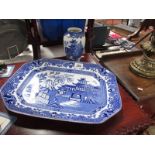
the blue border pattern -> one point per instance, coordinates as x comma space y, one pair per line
100, 114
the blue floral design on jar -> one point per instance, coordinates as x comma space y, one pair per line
74, 43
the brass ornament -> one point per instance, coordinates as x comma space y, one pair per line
145, 65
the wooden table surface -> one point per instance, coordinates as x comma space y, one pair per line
141, 88
130, 120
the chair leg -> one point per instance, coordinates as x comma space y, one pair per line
89, 34
33, 37
36, 51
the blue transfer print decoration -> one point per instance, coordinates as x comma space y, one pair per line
74, 43
63, 90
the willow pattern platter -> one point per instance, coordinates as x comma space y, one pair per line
63, 90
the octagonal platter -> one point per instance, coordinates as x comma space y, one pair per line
63, 90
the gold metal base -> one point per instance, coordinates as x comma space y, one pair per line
143, 66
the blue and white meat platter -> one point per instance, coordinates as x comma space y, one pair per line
63, 90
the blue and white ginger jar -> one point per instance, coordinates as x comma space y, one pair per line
74, 43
